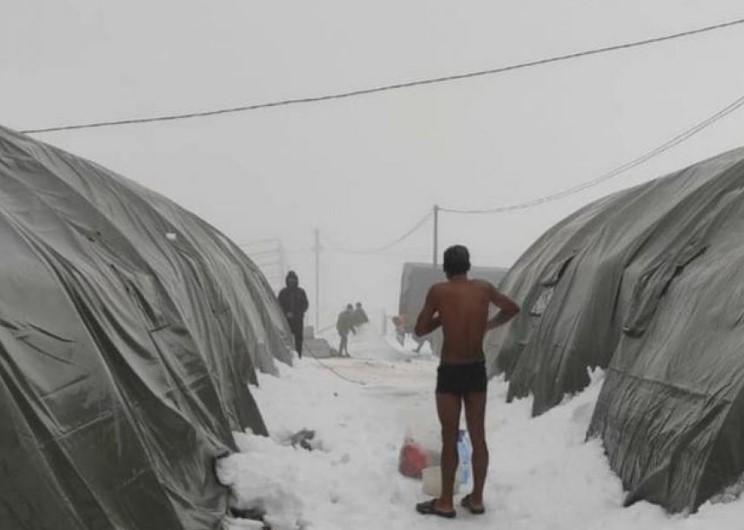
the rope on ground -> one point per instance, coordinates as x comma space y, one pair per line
334, 372
330, 368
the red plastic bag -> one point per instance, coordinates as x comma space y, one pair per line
412, 459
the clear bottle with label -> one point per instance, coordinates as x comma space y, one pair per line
464, 452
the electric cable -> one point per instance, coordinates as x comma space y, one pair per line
389, 87
674, 141
383, 248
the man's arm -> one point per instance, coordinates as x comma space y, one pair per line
507, 308
426, 321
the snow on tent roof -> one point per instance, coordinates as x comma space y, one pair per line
129, 328
646, 283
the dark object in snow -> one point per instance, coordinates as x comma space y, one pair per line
318, 348
646, 283
252, 514
302, 438
124, 351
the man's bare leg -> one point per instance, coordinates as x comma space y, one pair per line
448, 408
475, 414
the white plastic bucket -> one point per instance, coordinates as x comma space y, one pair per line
431, 478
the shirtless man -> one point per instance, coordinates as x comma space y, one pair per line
460, 305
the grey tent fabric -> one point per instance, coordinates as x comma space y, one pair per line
647, 284
129, 329
417, 278
244, 289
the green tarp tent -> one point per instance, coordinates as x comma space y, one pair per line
129, 329
646, 283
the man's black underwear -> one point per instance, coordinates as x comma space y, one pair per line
461, 379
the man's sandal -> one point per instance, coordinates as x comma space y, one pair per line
429, 508
465, 503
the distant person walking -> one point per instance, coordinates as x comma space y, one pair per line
344, 325
460, 306
360, 315
293, 302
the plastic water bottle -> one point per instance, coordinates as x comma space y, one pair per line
464, 450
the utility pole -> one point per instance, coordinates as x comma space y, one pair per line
316, 248
436, 235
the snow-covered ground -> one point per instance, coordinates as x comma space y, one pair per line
543, 475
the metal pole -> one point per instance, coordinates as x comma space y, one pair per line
317, 280
436, 235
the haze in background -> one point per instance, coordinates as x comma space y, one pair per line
364, 170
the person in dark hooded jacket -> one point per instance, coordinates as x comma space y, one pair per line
293, 302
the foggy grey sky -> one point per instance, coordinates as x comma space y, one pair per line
363, 170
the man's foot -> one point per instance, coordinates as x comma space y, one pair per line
430, 508
476, 509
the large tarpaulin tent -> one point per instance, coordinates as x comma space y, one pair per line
129, 329
646, 283
415, 281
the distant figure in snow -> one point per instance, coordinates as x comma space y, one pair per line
460, 306
360, 315
344, 325
293, 302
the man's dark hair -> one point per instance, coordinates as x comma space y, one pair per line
456, 260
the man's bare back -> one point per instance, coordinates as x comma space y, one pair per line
460, 305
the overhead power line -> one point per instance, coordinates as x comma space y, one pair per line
676, 140
391, 244
390, 87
